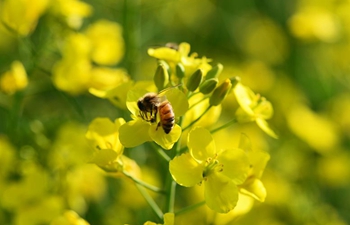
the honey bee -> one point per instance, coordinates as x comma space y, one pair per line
151, 104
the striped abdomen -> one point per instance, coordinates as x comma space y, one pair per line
167, 116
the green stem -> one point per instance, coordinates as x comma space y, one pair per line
189, 208
233, 121
150, 201
160, 152
143, 184
197, 102
194, 121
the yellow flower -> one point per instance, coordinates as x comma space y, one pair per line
15, 79
72, 73
107, 42
169, 219
102, 44
103, 135
180, 54
69, 217
253, 107
22, 16
72, 11
221, 171
253, 186
138, 130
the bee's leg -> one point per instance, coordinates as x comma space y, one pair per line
158, 125
154, 118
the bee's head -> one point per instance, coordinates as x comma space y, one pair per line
140, 105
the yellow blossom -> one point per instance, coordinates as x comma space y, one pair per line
253, 107
69, 217
15, 79
220, 171
22, 16
148, 130
107, 42
72, 11
180, 54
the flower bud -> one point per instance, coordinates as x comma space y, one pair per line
194, 80
235, 81
220, 93
208, 85
215, 71
180, 70
161, 77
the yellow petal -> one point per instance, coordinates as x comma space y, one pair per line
255, 188
134, 133
235, 164
221, 194
169, 219
265, 127
244, 98
166, 141
185, 170
164, 53
103, 133
201, 144
107, 41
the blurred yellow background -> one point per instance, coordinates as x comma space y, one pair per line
295, 53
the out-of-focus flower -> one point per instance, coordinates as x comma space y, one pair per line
138, 130
253, 107
221, 171
107, 42
69, 217
103, 135
72, 74
169, 219
15, 79
70, 148
102, 43
253, 186
321, 134
84, 184
105, 79
180, 54
22, 16
72, 11
314, 23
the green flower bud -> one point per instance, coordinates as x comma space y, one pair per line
161, 77
194, 80
220, 93
180, 70
208, 85
235, 81
215, 71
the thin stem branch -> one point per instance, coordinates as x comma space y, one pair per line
196, 120
150, 201
189, 208
143, 184
231, 122
160, 152
198, 102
